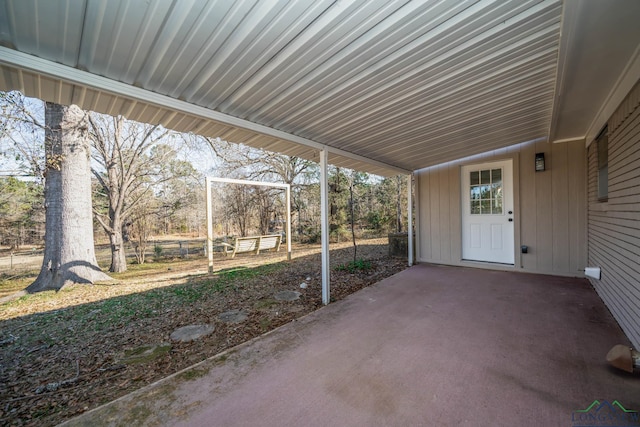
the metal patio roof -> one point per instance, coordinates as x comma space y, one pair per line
385, 86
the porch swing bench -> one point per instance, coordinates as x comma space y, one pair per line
253, 244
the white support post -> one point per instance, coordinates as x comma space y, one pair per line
416, 216
410, 219
208, 198
288, 202
324, 226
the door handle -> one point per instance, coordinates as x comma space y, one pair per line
510, 219
510, 212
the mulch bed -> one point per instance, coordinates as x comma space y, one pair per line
61, 362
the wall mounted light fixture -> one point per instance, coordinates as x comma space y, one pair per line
539, 162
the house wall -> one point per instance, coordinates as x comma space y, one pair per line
614, 225
550, 209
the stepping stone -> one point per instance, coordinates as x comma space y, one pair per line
233, 316
145, 353
192, 332
287, 295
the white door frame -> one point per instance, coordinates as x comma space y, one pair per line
494, 234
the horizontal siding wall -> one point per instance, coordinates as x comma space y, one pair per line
614, 225
550, 215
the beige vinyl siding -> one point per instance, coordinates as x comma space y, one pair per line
550, 209
614, 225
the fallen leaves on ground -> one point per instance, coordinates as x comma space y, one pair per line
60, 354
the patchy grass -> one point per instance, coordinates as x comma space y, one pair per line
265, 324
149, 268
233, 278
11, 283
194, 373
76, 337
120, 310
355, 266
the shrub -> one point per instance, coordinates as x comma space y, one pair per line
157, 252
354, 266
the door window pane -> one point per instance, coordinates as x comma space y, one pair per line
475, 178
485, 177
496, 208
475, 192
486, 192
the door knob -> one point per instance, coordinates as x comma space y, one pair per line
510, 212
510, 219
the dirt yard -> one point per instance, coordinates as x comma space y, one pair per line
64, 353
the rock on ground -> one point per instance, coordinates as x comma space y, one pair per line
192, 332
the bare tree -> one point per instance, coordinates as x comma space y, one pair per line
176, 185
265, 201
127, 164
238, 203
22, 133
251, 163
21, 155
140, 227
21, 212
69, 255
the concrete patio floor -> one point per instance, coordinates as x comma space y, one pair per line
431, 346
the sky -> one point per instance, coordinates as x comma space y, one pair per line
202, 158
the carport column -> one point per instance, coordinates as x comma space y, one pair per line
288, 197
324, 225
410, 219
207, 188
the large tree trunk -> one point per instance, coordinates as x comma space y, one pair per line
69, 254
118, 256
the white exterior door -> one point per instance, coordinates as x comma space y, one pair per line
487, 212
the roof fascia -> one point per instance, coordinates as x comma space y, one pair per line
570, 11
629, 77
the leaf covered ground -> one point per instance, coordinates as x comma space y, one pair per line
61, 353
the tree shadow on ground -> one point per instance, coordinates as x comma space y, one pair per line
59, 363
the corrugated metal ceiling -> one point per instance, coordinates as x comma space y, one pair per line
406, 83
